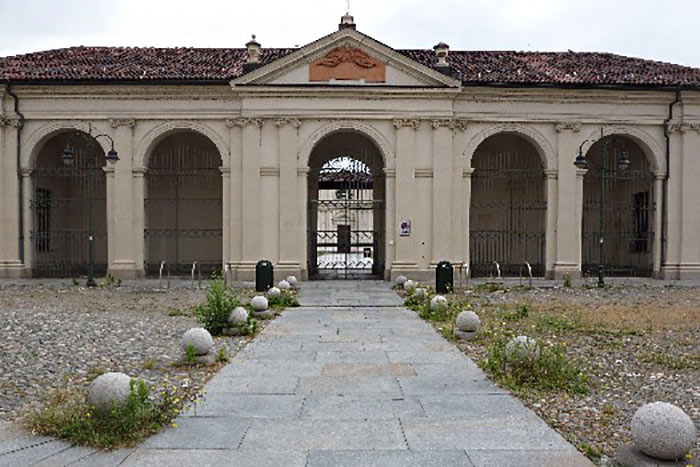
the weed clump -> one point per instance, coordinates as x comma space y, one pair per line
213, 314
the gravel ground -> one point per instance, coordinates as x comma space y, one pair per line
637, 344
55, 335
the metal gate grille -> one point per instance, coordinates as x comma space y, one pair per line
508, 208
59, 205
628, 212
184, 205
347, 239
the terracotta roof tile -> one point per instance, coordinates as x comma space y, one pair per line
472, 67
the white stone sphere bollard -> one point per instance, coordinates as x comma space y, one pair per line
199, 340
467, 324
259, 303
238, 316
400, 280
284, 285
107, 389
663, 431
292, 280
438, 303
419, 292
522, 349
409, 286
273, 292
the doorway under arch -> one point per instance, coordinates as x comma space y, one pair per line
346, 198
508, 212
183, 205
60, 206
627, 214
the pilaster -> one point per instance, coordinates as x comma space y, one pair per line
10, 264
404, 262
291, 230
442, 193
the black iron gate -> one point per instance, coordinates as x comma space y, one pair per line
345, 239
628, 208
183, 206
508, 208
59, 206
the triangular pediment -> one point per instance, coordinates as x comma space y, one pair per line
346, 57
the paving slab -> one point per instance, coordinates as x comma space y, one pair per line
388, 459
201, 433
527, 458
361, 407
213, 458
275, 384
346, 385
249, 406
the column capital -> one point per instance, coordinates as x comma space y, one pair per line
109, 170
567, 126
551, 173
6, 120
302, 171
389, 173
26, 172
682, 127
139, 171
294, 122
225, 171
408, 122
242, 122
127, 122
467, 173
581, 172
451, 123
660, 175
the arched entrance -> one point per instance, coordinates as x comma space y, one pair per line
346, 189
183, 204
59, 204
508, 211
627, 210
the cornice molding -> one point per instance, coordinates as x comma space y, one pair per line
127, 122
567, 126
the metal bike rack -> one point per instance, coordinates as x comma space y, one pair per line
498, 269
160, 274
195, 267
529, 273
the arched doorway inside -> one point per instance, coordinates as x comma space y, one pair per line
60, 206
625, 218
346, 190
508, 212
183, 204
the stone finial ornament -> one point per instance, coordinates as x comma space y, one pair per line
292, 280
522, 349
259, 303
437, 303
442, 52
467, 323
400, 280
273, 292
409, 286
199, 339
254, 51
238, 316
284, 285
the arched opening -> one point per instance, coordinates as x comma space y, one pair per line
346, 189
60, 206
619, 205
508, 212
183, 204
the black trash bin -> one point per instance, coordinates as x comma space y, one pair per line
444, 277
263, 275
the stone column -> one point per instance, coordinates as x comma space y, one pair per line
569, 208
690, 214
226, 215
466, 209
290, 228
252, 209
122, 206
658, 220
674, 203
26, 174
442, 193
139, 217
10, 264
235, 196
551, 236
390, 213
404, 262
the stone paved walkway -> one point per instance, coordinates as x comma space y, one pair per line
349, 379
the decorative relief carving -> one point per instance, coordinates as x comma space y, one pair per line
280, 122
402, 122
682, 127
347, 63
127, 122
567, 126
242, 122
451, 123
9, 121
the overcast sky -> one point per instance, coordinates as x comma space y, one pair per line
667, 31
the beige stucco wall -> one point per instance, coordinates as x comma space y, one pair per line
425, 136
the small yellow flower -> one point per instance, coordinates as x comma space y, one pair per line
174, 425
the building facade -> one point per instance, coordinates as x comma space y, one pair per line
347, 158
